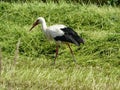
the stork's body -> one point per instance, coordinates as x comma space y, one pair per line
54, 31
59, 33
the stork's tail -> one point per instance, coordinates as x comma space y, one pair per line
79, 40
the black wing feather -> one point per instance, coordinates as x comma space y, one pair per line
69, 36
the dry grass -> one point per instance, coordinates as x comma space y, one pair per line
17, 52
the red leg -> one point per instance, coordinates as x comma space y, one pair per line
71, 53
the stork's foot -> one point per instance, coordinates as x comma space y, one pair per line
53, 63
74, 60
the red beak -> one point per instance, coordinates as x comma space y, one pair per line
34, 24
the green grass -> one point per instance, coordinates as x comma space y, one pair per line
98, 60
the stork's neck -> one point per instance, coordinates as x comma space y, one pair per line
44, 26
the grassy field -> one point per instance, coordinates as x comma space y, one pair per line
29, 68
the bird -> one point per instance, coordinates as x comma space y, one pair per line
60, 34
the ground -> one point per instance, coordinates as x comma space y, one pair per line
98, 60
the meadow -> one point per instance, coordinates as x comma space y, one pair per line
26, 57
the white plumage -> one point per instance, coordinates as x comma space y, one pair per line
59, 33
55, 31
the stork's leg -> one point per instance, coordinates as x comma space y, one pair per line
56, 52
71, 52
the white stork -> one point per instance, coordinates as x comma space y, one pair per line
59, 33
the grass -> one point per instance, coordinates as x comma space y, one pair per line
98, 60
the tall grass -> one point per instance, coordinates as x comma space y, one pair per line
98, 2
0, 61
98, 59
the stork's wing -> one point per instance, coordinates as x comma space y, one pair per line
69, 36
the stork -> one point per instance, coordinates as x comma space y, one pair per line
59, 33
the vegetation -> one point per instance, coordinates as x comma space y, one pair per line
98, 2
26, 57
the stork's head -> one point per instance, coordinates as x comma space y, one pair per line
38, 21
